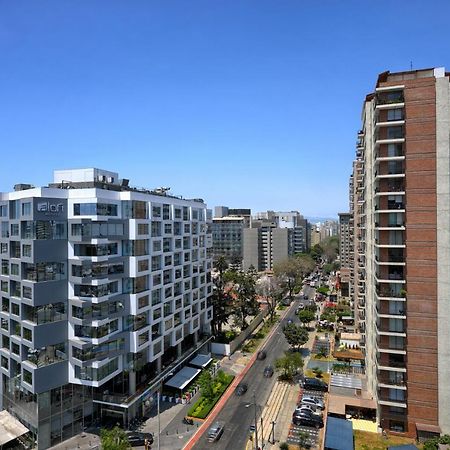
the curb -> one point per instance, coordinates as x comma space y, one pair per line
219, 405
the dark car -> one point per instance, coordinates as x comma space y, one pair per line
268, 371
215, 432
309, 420
314, 384
261, 355
241, 389
136, 439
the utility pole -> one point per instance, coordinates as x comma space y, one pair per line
273, 432
159, 419
256, 422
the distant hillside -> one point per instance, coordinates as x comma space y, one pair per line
319, 219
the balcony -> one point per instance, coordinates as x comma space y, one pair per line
387, 292
396, 363
390, 274
395, 346
392, 379
391, 327
390, 187
391, 310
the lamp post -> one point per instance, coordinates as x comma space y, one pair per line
273, 432
256, 422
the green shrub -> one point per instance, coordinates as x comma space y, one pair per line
203, 405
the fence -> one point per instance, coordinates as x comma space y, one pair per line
248, 331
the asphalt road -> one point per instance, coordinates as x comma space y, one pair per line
239, 412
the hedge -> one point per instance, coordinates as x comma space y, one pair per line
203, 406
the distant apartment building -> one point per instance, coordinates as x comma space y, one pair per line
273, 237
104, 293
345, 250
228, 233
402, 221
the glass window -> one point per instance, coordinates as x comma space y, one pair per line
27, 376
26, 250
142, 228
94, 209
395, 114
26, 209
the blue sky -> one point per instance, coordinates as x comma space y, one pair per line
244, 103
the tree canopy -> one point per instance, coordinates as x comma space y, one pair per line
115, 439
295, 335
289, 364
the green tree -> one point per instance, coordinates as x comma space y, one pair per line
317, 372
243, 295
316, 252
303, 437
220, 298
292, 270
205, 381
115, 439
289, 364
295, 335
306, 316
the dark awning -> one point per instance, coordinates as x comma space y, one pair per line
201, 361
182, 378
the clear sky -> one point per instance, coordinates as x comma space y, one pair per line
243, 103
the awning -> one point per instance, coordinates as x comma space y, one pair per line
182, 378
201, 360
339, 435
10, 428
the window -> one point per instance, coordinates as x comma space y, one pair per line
134, 209
395, 114
156, 262
3, 210
94, 209
142, 228
15, 309
157, 246
143, 338
26, 250
143, 265
15, 269
395, 150
44, 271
26, 209
5, 267
143, 301
27, 376
168, 228
177, 213
156, 229
3, 248
166, 212
156, 212
4, 230
27, 334
14, 229
394, 132
5, 363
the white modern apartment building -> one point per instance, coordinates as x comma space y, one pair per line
104, 293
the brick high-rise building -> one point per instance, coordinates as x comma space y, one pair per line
404, 248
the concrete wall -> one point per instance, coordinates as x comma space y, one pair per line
443, 247
251, 249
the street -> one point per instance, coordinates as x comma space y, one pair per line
239, 412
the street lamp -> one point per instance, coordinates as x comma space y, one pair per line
272, 432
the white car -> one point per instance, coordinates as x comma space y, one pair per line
314, 401
310, 408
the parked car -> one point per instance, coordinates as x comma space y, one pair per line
308, 409
215, 432
315, 385
268, 371
241, 389
136, 439
261, 355
309, 420
314, 401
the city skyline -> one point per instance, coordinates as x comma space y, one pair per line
252, 104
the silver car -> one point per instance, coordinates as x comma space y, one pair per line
314, 401
215, 432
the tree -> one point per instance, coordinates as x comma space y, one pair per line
330, 247
115, 439
306, 316
271, 289
220, 298
243, 294
289, 364
295, 335
205, 381
293, 269
303, 438
316, 252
